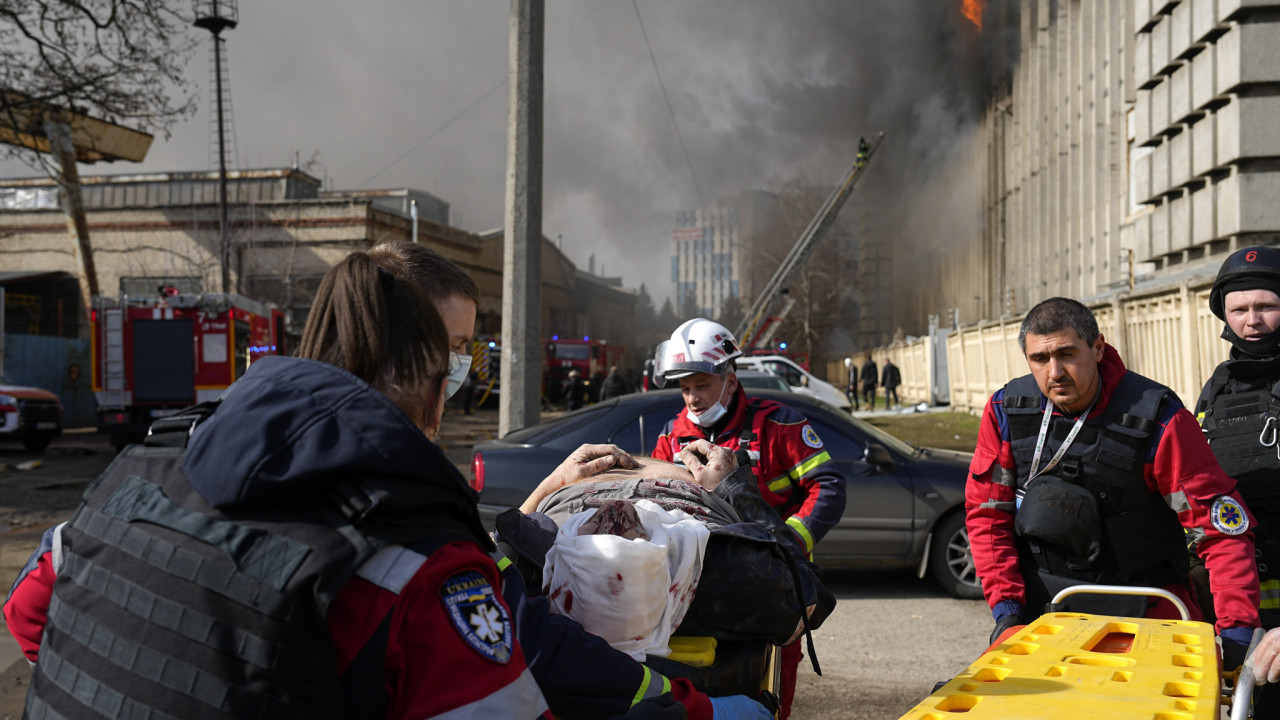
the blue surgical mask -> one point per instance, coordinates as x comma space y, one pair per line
459, 367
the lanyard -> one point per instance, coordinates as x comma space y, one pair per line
1044, 434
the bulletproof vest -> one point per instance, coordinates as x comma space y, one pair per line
1242, 428
1141, 538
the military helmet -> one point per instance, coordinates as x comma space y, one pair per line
1248, 268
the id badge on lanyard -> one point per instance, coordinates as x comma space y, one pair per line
1036, 470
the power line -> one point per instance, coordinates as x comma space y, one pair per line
468, 108
670, 112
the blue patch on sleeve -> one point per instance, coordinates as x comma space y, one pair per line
477, 615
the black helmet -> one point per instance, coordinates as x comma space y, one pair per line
1251, 268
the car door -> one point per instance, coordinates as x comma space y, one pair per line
878, 510
639, 436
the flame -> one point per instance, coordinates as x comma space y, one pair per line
973, 10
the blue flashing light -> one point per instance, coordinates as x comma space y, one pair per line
553, 337
586, 339
493, 344
782, 346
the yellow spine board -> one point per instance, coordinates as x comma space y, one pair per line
1072, 665
693, 650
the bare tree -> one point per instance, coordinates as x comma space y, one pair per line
117, 60
822, 294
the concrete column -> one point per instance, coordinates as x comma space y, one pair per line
520, 403
59, 135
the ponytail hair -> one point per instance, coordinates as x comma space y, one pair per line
382, 329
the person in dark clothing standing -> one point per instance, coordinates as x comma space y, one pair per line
890, 378
572, 390
1237, 410
869, 374
614, 385
851, 389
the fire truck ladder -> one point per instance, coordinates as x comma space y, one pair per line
755, 330
112, 358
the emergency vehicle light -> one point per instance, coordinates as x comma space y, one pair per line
586, 339
493, 344
553, 337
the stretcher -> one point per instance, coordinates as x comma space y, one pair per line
1079, 665
757, 663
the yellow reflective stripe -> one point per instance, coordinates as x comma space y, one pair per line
1270, 591
802, 531
1200, 419
666, 685
503, 563
789, 477
803, 468
641, 693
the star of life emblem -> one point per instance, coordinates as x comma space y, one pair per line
477, 615
1228, 517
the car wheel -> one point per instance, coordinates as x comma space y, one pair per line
950, 560
38, 443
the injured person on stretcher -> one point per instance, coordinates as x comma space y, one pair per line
648, 549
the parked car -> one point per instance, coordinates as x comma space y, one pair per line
800, 380
29, 415
906, 504
759, 380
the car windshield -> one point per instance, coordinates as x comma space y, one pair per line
542, 432
564, 351
773, 382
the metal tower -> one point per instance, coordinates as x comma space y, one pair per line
216, 16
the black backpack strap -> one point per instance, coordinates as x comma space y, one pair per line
175, 430
748, 434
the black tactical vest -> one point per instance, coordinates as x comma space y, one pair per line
1141, 538
1242, 428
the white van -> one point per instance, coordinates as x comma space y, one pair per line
797, 377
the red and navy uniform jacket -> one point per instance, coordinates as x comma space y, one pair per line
1179, 466
400, 649
793, 469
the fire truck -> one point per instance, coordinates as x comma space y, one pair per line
153, 356
591, 358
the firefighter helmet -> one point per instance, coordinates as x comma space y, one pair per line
698, 346
1249, 268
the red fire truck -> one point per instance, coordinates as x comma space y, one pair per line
591, 358
153, 356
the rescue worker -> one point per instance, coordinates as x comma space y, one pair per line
1086, 472
579, 674
1240, 405
573, 389
793, 470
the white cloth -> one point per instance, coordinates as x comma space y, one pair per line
632, 593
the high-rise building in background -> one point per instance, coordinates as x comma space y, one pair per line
711, 250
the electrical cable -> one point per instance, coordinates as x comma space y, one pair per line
666, 97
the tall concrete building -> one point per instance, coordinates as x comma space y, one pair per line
1120, 139
711, 250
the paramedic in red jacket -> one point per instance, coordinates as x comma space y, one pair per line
1083, 432
793, 469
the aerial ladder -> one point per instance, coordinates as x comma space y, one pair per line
761, 321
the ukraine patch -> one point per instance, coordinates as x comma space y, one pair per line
1228, 516
477, 615
811, 438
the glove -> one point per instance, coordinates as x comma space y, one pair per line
1004, 623
1235, 645
738, 707
663, 707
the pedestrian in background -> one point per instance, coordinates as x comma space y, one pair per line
851, 387
890, 378
614, 385
573, 389
869, 374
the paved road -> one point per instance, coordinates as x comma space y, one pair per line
890, 639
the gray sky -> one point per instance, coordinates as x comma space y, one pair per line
764, 91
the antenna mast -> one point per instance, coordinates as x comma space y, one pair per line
216, 16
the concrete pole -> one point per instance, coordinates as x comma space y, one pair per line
60, 146
521, 397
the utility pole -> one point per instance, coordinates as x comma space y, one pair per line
58, 133
520, 403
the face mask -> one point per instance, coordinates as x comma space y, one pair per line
459, 367
711, 415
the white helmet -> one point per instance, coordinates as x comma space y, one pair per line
698, 346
